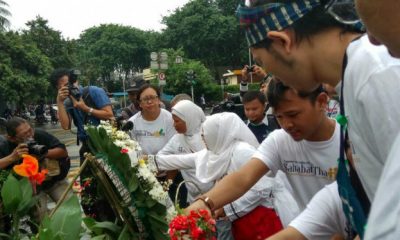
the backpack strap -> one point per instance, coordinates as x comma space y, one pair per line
87, 98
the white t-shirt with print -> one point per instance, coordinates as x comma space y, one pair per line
152, 135
323, 216
309, 166
332, 108
371, 97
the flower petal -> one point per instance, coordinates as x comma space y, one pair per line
28, 167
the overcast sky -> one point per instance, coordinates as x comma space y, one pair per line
71, 17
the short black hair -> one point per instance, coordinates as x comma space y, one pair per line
57, 74
13, 124
144, 87
314, 22
252, 95
276, 93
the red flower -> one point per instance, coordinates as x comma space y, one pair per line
40, 177
30, 168
198, 225
124, 150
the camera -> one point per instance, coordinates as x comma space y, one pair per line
35, 149
250, 69
72, 78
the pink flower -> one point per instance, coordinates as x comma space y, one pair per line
124, 150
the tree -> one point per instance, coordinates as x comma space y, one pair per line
24, 70
177, 81
112, 48
62, 53
227, 7
205, 33
4, 13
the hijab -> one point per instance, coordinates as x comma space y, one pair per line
221, 134
193, 116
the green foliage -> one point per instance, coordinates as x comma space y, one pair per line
23, 70
60, 52
151, 213
236, 88
111, 48
11, 194
176, 75
206, 33
65, 224
4, 13
227, 7
102, 230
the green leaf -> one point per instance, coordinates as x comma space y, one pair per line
150, 202
107, 226
11, 194
44, 232
124, 235
100, 237
89, 222
28, 201
133, 183
5, 235
94, 138
66, 221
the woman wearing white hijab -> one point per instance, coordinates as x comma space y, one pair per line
230, 144
188, 118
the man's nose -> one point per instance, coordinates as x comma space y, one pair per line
286, 123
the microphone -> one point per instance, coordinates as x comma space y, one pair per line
127, 126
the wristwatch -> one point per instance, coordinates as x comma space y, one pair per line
90, 112
208, 202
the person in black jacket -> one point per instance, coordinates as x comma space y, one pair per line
22, 139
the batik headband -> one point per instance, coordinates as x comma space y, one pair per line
258, 21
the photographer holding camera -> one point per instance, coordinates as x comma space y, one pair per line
257, 73
21, 139
82, 105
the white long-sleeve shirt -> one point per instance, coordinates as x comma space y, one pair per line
260, 194
177, 145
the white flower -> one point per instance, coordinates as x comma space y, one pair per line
119, 143
145, 174
171, 213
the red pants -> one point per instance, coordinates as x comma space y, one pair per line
261, 223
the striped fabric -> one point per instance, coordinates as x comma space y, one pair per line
257, 21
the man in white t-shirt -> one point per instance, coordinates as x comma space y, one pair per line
383, 24
303, 43
305, 149
322, 219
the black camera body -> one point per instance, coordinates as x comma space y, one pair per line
72, 78
250, 69
35, 149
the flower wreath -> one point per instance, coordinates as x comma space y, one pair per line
144, 199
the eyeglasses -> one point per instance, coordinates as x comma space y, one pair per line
148, 99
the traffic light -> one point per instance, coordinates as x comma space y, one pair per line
191, 77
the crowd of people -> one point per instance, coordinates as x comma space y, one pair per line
316, 156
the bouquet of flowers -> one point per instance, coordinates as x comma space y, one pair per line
198, 225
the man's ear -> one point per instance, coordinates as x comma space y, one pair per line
284, 39
322, 101
11, 139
